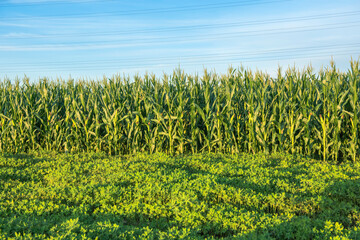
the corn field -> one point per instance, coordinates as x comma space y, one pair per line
299, 112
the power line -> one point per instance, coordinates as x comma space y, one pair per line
197, 27
242, 60
40, 3
196, 58
177, 39
232, 54
156, 10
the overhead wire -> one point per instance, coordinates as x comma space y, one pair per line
190, 63
42, 3
344, 49
155, 10
194, 27
176, 39
278, 53
192, 56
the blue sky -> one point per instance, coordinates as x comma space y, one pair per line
93, 38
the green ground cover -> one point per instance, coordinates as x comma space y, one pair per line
88, 196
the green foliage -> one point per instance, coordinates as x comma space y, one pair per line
158, 196
315, 115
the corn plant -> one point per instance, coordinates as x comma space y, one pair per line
300, 112
354, 88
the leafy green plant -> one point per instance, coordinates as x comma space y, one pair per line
47, 195
299, 112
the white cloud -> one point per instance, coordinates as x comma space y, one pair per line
20, 35
47, 1
9, 24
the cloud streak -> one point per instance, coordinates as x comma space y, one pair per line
49, 1
68, 35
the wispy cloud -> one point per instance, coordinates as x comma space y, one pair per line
64, 47
11, 24
20, 35
62, 36
48, 1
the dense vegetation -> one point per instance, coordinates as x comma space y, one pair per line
304, 113
174, 197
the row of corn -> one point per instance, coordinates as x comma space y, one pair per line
300, 112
